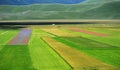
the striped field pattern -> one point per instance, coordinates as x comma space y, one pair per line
60, 48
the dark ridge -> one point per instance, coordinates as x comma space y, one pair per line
12, 27
41, 23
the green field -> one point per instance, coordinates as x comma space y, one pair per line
38, 54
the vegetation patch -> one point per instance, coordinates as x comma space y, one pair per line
108, 54
15, 58
84, 43
75, 58
44, 57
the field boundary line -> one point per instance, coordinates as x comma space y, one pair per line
50, 33
75, 63
57, 53
111, 46
59, 32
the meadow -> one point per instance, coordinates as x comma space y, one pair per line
61, 47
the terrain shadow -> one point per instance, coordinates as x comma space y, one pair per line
12, 26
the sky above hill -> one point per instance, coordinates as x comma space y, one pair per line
26, 2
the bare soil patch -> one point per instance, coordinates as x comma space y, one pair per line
22, 38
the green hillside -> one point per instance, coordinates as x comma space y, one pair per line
89, 9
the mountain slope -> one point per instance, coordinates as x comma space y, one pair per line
109, 10
90, 9
27, 2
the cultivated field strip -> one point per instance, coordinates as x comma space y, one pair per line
15, 57
41, 33
77, 59
112, 38
85, 43
108, 55
43, 57
4, 38
22, 38
58, 32
109, 31
59, 48
101, 51
88, 32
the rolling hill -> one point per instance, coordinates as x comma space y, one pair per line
27, 2
89, 9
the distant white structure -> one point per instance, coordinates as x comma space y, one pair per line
53, 24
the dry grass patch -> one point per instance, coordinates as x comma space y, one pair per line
58, 32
